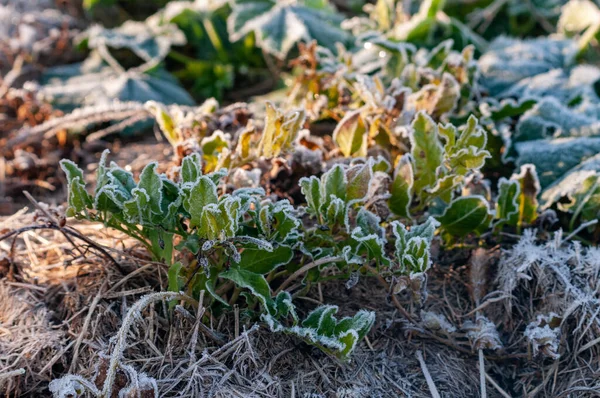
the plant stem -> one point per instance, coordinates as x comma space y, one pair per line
307, 268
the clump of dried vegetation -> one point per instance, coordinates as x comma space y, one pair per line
413, 212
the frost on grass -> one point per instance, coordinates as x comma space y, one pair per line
28, 341
553, 285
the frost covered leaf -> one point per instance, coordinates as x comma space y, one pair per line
412, 247
213, 149
79, 199
508, 61
95, 84
507, 205
529, 189
278, 222
401, 188
321, 328
281, 129
437, 100
580, 186
191, 169
434, 321
197, 197
165, 122
350, 135
279, 25
331, 197
253, 281
427, 152
148, 41
465, 215
517, 203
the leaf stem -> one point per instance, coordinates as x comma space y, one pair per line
307, 268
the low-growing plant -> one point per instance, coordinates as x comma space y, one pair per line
241, 244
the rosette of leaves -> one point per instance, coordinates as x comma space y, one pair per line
238, 238
279, 25
103, 77
441, 159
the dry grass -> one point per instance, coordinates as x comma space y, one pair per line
63, 302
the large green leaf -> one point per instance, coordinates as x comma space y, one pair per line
466, 215
279, 25
256, 283
262, 262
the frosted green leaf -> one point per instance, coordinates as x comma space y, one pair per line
279, 25
196, 198
152, 184
311, 189
79, 199
191, 168
413, 246
427, 152
401, 188
507, 205
137, 210
256, 283
334, 183
466, 215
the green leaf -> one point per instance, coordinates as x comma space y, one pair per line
137, 210
413, 246
196, 198
507, 205
262, 262
334, 183
311, 189
152, 184
252, 281
401, 188
278, 25
175, 282
427, 152
191, 168
466, 215
79, 199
